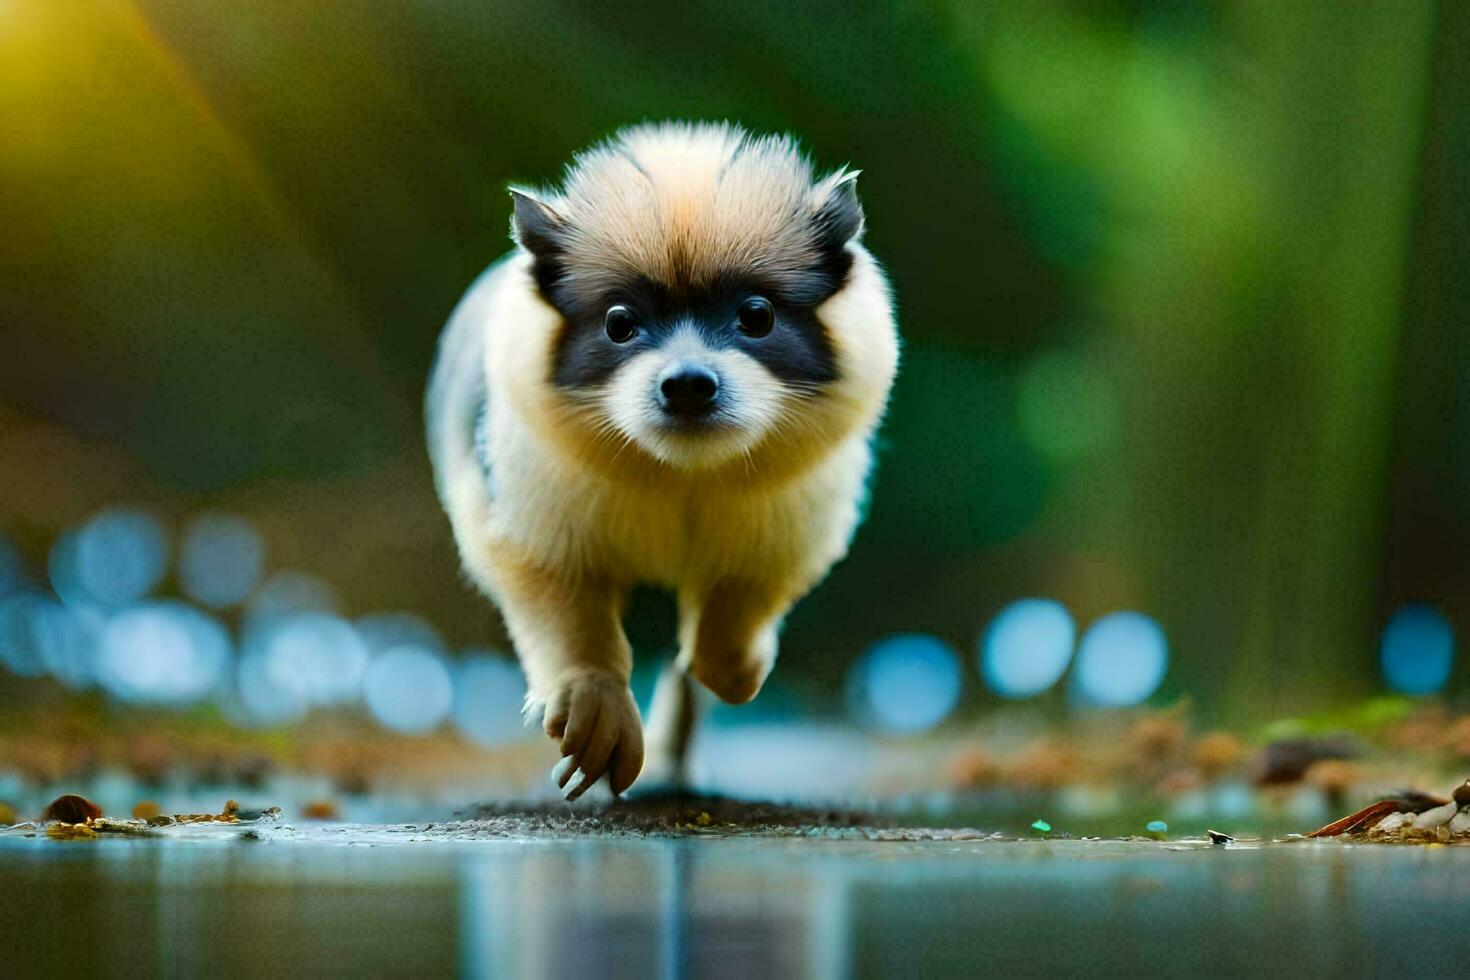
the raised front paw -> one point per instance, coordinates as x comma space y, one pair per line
593, 715
734, 676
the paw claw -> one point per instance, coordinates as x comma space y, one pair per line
563, 770
576, 787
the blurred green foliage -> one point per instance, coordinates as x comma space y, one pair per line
1181, 284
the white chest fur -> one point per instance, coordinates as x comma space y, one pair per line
679, 532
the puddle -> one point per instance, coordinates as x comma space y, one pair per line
480, 899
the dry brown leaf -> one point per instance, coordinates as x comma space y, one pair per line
1370, 814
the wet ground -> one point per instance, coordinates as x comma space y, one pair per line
500, 898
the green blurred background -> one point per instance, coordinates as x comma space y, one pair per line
1183, 290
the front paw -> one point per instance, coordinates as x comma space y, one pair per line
593, 715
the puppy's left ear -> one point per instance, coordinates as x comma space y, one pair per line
839, 217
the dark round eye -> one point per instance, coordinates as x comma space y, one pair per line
757, 317
620, 324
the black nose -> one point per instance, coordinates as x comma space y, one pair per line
688, 390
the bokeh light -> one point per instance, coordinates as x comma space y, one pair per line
68, 640
1121, 660
906, 684
1418, 650
489, 691
12, 568
287, 593
18, 650
220, 559
408, 689
117, 557
382, 631
163, 652
265, 699
1026, 648
62, 570
317, 658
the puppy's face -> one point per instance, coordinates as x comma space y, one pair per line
688, 266
694, 375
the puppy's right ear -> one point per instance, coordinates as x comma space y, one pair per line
540, 230
536, 225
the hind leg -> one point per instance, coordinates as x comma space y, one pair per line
670, 729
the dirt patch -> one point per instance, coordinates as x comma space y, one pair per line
683, 814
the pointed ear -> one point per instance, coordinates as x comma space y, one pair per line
536, 225
839, 217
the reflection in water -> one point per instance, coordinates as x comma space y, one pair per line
649, 908
832, 909
347, 901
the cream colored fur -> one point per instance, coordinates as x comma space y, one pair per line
684, 202
583, 505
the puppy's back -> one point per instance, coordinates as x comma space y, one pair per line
455, 401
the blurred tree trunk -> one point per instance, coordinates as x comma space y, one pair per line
1263, 361
1428, 537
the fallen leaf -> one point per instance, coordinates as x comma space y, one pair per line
1370, 814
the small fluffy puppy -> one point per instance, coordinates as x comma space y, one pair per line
673, 379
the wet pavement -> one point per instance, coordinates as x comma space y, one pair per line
332, 900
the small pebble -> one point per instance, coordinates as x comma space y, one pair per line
1437, 816
1392, 822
